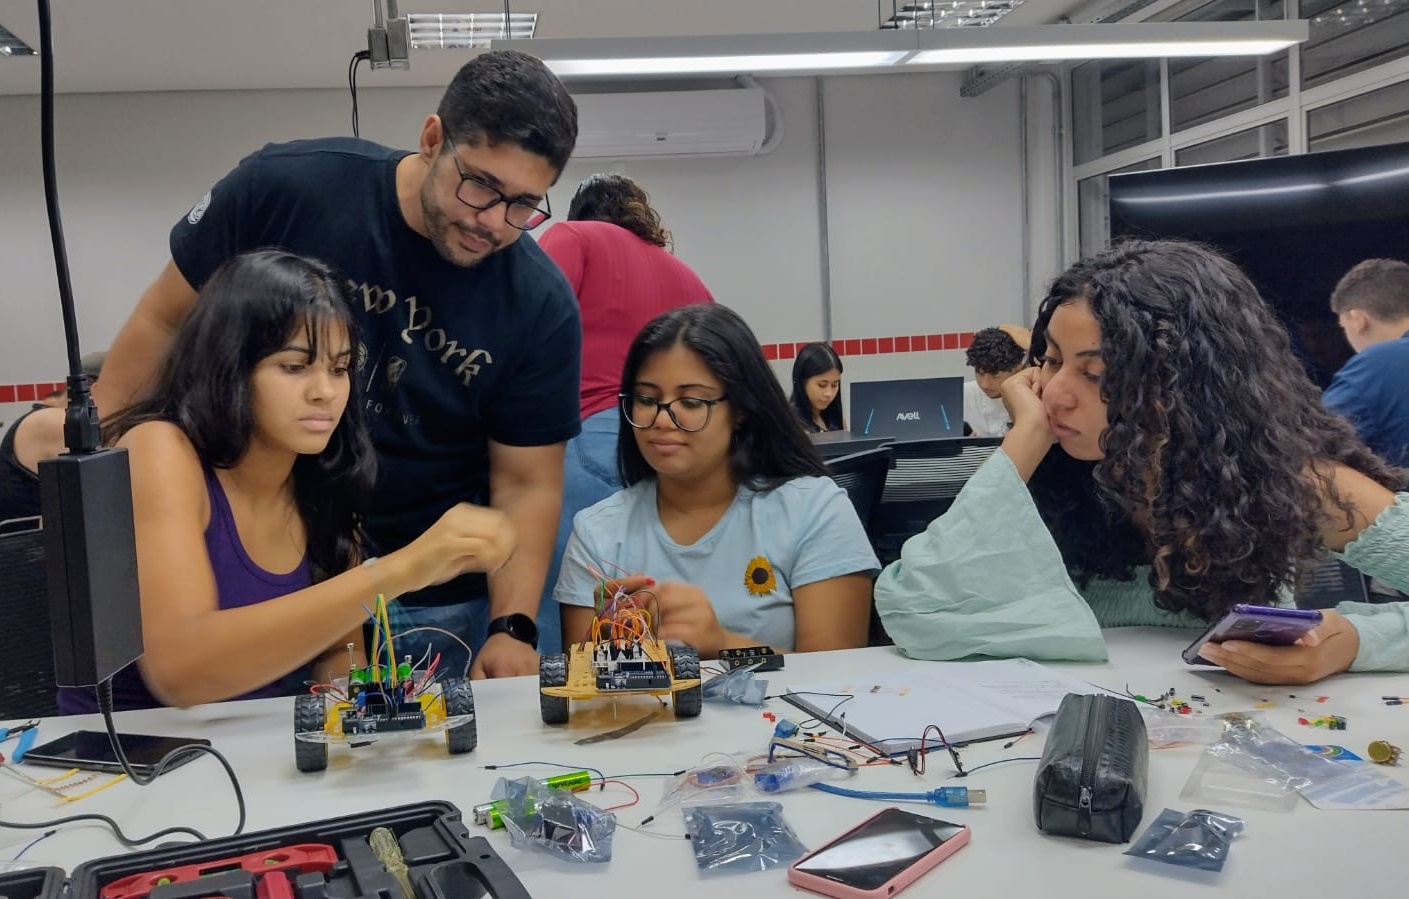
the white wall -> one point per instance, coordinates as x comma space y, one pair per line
923, 195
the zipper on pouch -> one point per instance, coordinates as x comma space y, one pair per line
1095, 719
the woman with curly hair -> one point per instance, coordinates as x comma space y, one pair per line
1178, 462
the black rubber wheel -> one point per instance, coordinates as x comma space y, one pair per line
684, 665
460, 700
309, 714
553, 672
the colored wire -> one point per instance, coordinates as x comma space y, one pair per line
650, 833
647, 774
612, 808
469, 656
34, 842
1025, 758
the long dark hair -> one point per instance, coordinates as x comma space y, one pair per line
245, 313
609, 197
1215, 436
813, 360
768, 448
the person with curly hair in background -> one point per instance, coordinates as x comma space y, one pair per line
617, 257
995, 355
1170, 458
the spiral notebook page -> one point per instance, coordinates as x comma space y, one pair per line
970, 701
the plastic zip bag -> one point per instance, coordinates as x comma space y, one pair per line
739, 837
555, 821
1201, 839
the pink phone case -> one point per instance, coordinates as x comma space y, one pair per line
909, 875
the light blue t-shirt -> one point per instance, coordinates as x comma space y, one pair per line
765, 547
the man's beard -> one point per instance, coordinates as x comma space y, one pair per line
442, 232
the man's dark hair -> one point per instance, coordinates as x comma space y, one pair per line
613, 198
1378, 287
508, 97
993, 352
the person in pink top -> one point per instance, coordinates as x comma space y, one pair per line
617, 257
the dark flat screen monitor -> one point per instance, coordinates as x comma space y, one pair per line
914, 409
1295, 224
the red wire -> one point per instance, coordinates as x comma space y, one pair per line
628, 786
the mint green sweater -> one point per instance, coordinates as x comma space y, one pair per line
986, 579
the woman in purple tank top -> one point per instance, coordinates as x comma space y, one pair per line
250, 464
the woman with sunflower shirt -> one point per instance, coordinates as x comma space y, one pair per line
728, 516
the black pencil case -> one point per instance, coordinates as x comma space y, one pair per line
1092, 777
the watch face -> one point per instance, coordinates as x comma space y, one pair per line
520, 627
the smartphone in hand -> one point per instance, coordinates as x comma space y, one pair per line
1257, 624
880, 856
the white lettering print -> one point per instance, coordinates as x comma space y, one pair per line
465, 363
907, 416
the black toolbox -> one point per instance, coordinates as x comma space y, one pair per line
329, 859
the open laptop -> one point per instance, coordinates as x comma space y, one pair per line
915, 409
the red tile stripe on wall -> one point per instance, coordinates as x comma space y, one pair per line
878, 346
864, 346
26, 393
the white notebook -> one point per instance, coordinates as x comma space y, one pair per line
970, 701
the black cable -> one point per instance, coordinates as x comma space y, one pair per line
1026, 758
81, 434
352, 87
105, 705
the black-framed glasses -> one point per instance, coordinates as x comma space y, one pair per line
476, 194
689, 413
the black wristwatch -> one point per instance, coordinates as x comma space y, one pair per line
520, 627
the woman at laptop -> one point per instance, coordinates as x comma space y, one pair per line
1168, 459
249, 465
817, 389
728, 515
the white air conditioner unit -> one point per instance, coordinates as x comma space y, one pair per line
732, 122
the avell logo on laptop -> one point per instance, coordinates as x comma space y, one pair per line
913, 409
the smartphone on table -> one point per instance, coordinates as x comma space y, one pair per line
91, 750
1257, 624
880, 856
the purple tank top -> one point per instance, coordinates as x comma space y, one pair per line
239, 582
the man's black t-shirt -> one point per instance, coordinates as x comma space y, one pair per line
451, 357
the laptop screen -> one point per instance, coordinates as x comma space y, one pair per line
914, 409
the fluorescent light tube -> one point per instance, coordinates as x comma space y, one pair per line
1133, 50
693, 65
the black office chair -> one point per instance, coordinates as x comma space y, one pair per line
922, 485
26, 641
863, 477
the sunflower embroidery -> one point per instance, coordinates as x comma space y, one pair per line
758, 579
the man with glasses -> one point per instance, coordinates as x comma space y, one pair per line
470, 337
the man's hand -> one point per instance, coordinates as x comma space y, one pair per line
503, 656
1327, 649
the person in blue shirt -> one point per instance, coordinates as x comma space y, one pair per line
728, 516
1372, 388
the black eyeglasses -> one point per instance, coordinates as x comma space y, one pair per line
692, 413
476, 194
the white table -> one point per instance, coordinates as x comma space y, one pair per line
1303, 852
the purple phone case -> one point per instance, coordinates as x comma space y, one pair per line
1257, 624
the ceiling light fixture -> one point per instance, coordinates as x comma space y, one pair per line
11, 45
1054, 43
800, 54
458, 31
